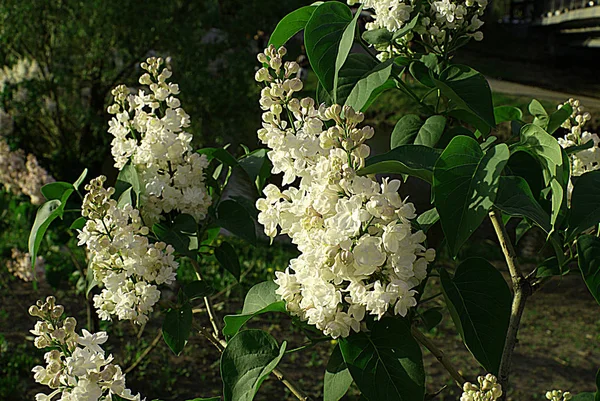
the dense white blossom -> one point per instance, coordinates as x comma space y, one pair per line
148, 130
438, 23
23, 70
20, 266
488, 389
121, 256
359, 254
77, 367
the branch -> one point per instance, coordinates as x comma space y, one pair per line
209, 308
522, 290
439, 354
147, 351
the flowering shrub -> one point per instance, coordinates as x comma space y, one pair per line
364, 261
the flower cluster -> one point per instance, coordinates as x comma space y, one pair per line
488, 389
558, 395
439, 22
22, 174
77, 368
20, 266
121, 256
358, 252
148, 129
22, 70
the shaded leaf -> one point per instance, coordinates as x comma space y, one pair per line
585, 203
197, 289
228, 259
290, 25
337, 379
507, 113
515, 199
588, 256
177, 327
364, 88
414, 160
234, 217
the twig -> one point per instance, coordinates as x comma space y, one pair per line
439, 354
147, 351
209, 309
522, 290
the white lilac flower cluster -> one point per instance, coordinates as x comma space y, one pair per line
20, 266
438, 24
22, 174
558, 395
22, 70
121, 256
488, 389
77, 368
148, 129
358, 252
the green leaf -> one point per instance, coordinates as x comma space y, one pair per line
246, 362
197, 289
55, 190
431, 318
377, 36
260, 299
466, 116
126, 198
465, 183
549, 267
525, 165
507, 113
515, 199
220, 154
79, 223
585, 203
234, 217
414, 160
384, 368
128, 178
258, 167
290, 25
421, 73
545, 148
558, 117
228, 259
337, 379
406, 130
80, 179
588, 256
469, 90
584, 397
578, 148
328, 37
364, 88
428, 219
177, 327
431, 132
181, 234
357, 67
206, 399
479, 301
537, 110
406, 28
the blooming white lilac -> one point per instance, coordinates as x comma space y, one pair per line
488, 389
77, 367
20, 266
121, 256
558, 395
438, 23
358, 252
23, 70
148, 129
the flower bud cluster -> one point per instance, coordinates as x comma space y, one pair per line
76, 367
121, 256
558, 395
22, 174
438, 24
20, 266
358, 252
23, 70
148, 129
488, 389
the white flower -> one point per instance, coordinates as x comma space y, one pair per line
488, 389
93, 341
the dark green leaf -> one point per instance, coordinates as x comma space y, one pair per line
246, 362
220, 154
337, 379
206, 399
558, 117
431, 318
469, 90
422, 74
578, 148
182, 234
228, 259
328, 37
197, 289
128, 178
585, 203
406, 130
431, 132
414, 160
377, 36
55, 190
235, 218
507, 113
260, 299
406, 28
466, 116
515, 199
588, 256
549, 267
364, 88
384, 368
465, 183
258, 167
479, 301
177, 327
126, 198
357, 67
290, 25
525, 165
79, 223
584, 397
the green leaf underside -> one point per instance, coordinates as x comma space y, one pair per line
558, 117
428, 219
465, 183
337, 378
364, 88
258, 167
507, 113
515, 199
260, 299
246, 362
228, 259
414, 160
588, 255
197, 289
177, 327
290, 25
384, 368
479, 301
585, 203
233, 217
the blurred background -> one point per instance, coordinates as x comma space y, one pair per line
53, 111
